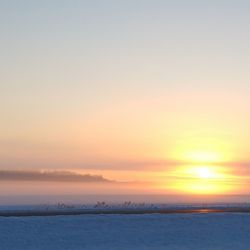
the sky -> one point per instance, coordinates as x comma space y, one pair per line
151, 96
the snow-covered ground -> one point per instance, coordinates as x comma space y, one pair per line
119, 232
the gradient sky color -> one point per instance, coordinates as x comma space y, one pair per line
135, 91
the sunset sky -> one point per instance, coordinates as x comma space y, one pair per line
146, 96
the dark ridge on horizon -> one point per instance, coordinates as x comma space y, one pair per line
123, 211
56, 176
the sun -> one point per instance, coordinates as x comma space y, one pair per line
200, 179
201, 172
204, 172
202, 169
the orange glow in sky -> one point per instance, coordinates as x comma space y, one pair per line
152, 97
201, 180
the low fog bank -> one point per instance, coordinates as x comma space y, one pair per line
55, 176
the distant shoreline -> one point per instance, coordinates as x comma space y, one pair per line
72, 212
51, 200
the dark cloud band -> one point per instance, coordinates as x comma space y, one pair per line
56, 176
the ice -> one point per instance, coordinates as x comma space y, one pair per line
119, 232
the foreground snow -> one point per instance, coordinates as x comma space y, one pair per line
171, 231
